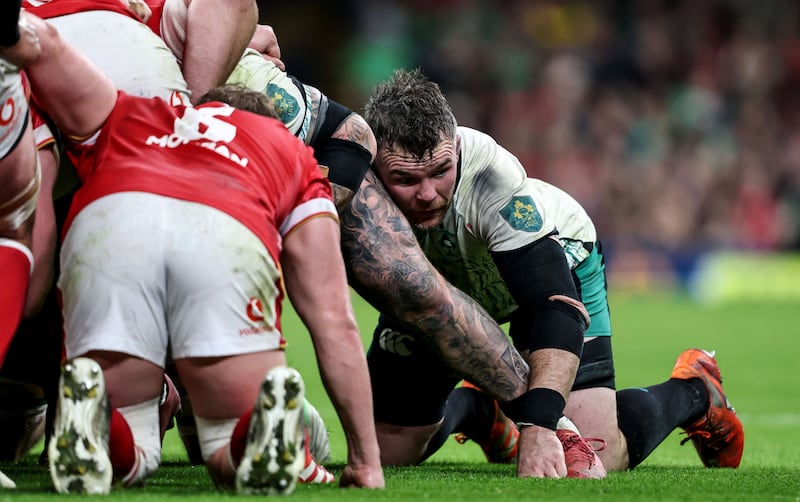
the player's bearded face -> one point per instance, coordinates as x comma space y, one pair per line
421, 188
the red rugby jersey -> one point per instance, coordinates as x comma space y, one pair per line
246, 165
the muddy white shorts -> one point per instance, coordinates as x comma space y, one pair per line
141, 271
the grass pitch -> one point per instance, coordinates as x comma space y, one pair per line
757, 349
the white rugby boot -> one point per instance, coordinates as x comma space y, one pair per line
275, 453
78, 450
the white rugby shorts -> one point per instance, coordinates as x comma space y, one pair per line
140, 271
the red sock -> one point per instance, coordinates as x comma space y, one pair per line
16, 262
239, 437
121, 447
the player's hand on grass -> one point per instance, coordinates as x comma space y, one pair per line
541, 454
363, 476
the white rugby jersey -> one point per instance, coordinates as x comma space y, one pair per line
496, 207
13, 107
293, 105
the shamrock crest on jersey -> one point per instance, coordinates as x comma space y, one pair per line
521, 214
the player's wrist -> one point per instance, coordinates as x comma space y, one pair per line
540, 406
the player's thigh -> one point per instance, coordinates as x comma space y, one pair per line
593, 403
226, 387
410, 385
594, 411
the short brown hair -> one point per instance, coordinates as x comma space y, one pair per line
242, 98
409, 112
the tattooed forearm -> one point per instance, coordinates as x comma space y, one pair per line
473, 344
388, 268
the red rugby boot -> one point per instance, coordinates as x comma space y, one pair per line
718, 436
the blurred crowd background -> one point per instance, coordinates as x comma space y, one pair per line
675, 123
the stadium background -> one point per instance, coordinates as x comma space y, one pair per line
675, 123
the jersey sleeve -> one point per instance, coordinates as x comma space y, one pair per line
289, 98
500, 206
314, 200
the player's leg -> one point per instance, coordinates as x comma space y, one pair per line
717, 434
19, 188
692, 399
318, 444
477, 417
410, 387
238, 409
224, 338
22, 417
592, 404
114, 285
45, 233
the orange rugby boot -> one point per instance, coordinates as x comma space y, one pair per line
718, 436
501, 445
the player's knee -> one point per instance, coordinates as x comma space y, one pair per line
16, 213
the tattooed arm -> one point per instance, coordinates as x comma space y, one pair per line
388, 268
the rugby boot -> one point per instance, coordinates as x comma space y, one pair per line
275, 451
319, 444
580, 457
78, 449
718, 436
312, 471
501, 445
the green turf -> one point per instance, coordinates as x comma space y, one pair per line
757, 349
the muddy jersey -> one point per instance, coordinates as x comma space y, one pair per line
243, 164
132, 54
497, 208
291, 98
